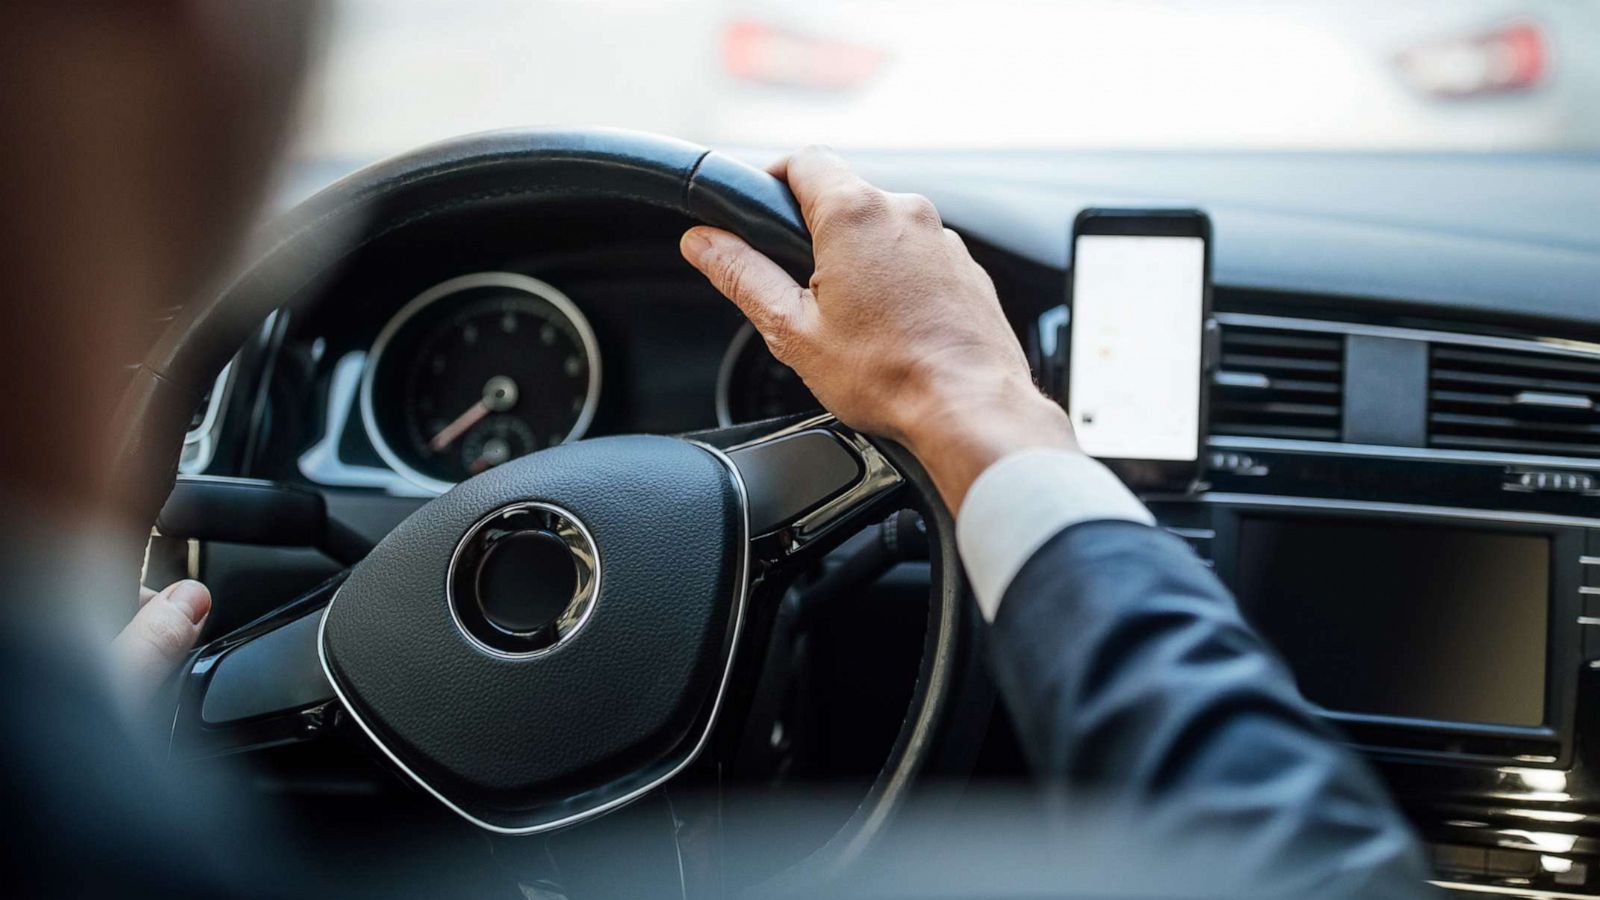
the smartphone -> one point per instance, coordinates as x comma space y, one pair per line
1140, 342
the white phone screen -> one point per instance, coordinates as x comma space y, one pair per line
1134, 374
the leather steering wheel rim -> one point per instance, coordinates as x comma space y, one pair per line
535, 167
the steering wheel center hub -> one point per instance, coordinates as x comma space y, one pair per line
486, 651
524, 579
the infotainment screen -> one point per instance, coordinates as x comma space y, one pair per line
1396, 619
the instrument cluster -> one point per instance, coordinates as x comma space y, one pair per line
490, 366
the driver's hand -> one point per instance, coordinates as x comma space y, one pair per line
158, 638
899, 332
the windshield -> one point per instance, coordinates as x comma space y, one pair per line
1482, 75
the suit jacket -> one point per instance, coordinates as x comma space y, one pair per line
1135, 684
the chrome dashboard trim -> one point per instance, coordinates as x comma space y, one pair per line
1251, 380
1557, 346
1380, 507
200, 443
1531, 893
730, 357
321, 463
1424, 454
1552, 400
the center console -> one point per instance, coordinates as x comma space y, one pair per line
1436, 595
1451, 644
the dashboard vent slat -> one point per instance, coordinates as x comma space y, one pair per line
1278, 383
1513, 401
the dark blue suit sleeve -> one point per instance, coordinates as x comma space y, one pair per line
1133, 679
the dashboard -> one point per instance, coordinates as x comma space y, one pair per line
426, 367
1403, 465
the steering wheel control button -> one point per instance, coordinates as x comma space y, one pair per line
523, 579
276, 671
792, 475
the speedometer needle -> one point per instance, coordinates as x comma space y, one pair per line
448, 434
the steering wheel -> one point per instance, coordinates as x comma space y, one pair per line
569, 631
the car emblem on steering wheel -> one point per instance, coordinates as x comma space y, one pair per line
523, 579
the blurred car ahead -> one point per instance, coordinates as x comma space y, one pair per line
1331, 74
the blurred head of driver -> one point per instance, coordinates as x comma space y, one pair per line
135, 141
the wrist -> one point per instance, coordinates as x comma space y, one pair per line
957, 437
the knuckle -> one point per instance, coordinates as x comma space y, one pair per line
920, 210
958, 248
858, 204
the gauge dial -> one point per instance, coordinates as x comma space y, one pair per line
753, 385
496, 440
478, 371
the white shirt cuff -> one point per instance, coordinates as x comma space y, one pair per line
1025, 499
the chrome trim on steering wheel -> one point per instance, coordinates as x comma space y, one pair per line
741, 597
585, 557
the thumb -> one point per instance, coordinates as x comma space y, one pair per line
160, 635
769, 298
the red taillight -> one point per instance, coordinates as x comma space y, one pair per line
1509, 58
1522, 49
756, 51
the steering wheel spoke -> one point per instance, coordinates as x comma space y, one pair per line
261, 686
809, 482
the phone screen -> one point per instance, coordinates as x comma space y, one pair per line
1138, 309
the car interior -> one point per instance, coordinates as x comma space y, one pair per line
485, 549
1398, 480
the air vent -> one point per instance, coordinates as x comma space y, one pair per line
1513, 401
1278, 383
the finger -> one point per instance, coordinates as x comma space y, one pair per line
144, 595
779, 168
160, 635
773, 302
816, 174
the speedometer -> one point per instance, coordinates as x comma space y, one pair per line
478, 371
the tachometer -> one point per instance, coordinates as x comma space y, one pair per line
753, 385
478, 371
